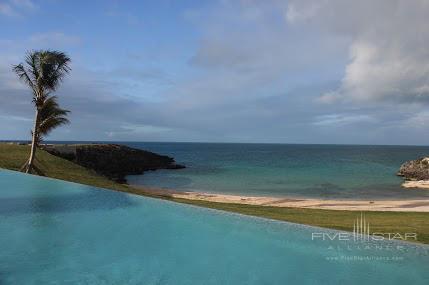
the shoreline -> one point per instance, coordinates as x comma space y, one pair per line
414, 205
421, 184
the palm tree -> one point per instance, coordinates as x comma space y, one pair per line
51, 116
43, 71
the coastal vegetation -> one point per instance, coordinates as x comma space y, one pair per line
42, 72
13, 155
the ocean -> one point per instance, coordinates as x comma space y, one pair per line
285, 170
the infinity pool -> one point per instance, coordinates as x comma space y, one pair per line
53, 232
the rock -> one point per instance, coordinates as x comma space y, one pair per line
113, 160
415, 169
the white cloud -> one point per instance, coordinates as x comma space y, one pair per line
15, 8
389, 53
294, 14
53, 38
6, 9
337, 120
15, 118
24, 3
138, 130
419, 120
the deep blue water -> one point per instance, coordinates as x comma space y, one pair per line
319, 171
54, 232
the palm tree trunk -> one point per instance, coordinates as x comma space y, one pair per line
33, 143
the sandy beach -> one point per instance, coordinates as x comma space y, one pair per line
415, 205
352, 205
422, 184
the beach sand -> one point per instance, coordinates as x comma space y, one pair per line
416, 205
423, 184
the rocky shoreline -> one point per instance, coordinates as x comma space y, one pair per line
112, 160
415, 173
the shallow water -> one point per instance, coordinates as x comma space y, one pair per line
53, 232
317, 171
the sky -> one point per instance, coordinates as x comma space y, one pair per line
299, 71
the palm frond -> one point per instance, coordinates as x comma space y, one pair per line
43, 70
51, 116
32, 61
54, 65
23, 75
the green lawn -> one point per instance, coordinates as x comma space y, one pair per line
13, 156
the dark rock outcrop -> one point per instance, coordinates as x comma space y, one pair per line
113, 160
415, 169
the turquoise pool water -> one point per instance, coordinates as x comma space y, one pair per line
310, 171
53, 232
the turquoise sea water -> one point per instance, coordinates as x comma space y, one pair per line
319, 171
53, 232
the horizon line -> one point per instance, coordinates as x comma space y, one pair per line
207, 142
